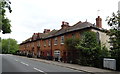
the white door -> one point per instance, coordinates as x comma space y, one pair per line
57, 54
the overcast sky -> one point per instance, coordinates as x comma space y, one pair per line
33, 16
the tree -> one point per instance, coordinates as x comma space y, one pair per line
9, 45
0, 46
91, 50
72, 51
4, 21
87, 50
114, 23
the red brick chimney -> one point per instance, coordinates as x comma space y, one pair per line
46, 30
64, 25
99, 22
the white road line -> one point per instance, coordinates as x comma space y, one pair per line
9, 54
15, 60
24, 63
39, 70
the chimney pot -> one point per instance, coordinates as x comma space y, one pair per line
46, 30
99, 22
64, 25
62, 22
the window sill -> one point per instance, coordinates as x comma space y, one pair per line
62, 43
55, 44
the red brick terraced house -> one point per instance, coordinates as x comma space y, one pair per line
50, 44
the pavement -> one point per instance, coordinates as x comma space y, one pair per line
86, 69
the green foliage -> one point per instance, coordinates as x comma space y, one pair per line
88, 41
104, 52
89, 50
115, 41
0, 46
4, 21
9, 45
114, 20
114, 23
70, 45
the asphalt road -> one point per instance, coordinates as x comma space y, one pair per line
12, 64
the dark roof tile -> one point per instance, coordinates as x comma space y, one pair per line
77, 26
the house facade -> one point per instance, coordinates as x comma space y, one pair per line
50, 44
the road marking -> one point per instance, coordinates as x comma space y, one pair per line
16, 60
9, 54
24, 63
39, 70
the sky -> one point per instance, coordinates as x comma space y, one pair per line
33, 16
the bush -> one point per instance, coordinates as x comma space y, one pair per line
86, 51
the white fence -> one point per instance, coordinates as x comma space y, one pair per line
109, 63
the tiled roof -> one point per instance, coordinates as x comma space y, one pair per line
77, 26
27, 40
50, 34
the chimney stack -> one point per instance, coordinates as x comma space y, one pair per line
64, 25
99, 22
46, 30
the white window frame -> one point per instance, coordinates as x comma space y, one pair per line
44, 42
30, 39
62, 39
81, 34
38, 43
33, 44
27, 45
73, 35
98, 37
55, 41
49, 42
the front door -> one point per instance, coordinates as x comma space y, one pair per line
57, 55
38, 52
